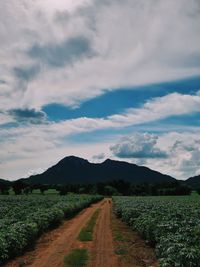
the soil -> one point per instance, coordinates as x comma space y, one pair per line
53, 246
102, 251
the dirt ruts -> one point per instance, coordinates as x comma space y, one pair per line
102, 251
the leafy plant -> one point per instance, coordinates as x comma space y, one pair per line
171, 224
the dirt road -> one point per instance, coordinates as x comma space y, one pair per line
102, 251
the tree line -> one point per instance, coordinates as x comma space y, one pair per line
115, 187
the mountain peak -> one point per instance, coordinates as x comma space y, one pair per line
73, 159
107, 161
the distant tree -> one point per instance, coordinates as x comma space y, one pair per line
123, 187
82, 190
18, 187
110, 191
27, 190
4, 189
153, 190
93, 190
63, 190
198, 190
100, 188
42, 188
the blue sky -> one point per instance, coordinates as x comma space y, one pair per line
79, 79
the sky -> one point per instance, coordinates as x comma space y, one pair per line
100, 79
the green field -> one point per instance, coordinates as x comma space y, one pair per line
171, 224
24, 218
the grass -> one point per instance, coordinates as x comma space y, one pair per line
77, 258
86, 233
119, 234
121, 250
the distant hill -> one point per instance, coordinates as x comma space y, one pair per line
6, 182
77, 170
193, 182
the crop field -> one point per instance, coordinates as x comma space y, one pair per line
122, 231
171, 224
24, 218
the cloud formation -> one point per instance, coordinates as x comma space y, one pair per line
28, 116
62, 54
138, 146
26, 73
100, 156
95, 48
179, 152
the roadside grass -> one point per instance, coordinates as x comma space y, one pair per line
119, 234
121, 250
86, 233
77, 258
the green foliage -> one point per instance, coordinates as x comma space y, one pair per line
171, 224
87, 231
121, 250
198, 191
24, 218
111, 191
77, 258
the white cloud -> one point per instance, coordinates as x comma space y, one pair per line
183, 151
138, 146
4, 118
99, 157
159, 108
128, 53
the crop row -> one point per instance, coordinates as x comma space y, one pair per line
24, 218
172, 225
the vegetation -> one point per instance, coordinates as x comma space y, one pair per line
87, 231
171, 224
198, 191
24, 218
77, 258
110, 188
121, 187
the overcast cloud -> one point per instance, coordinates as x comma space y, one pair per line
108, 43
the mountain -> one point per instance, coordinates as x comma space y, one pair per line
193, 182
6, 182
77, 170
